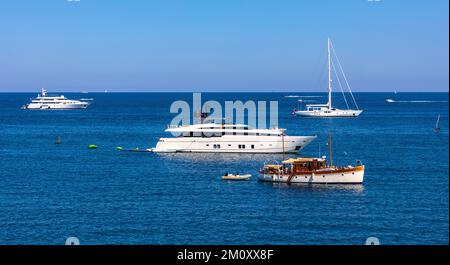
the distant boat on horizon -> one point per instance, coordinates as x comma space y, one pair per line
389, 100
44, 101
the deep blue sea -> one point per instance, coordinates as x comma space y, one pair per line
49, 192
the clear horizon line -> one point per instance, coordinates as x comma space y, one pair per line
193, 91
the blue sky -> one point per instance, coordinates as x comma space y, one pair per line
221, 45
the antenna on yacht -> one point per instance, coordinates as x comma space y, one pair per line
329, 149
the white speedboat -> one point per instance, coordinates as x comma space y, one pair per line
44, 101
326, 110
230, 138
236, 177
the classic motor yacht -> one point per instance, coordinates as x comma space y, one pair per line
44, 101
326, 110
312, 171
230, 138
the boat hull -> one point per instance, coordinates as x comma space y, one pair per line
325, 114
234, 144
57, 106
353, 175
237, 177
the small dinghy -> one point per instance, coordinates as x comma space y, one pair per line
228, 176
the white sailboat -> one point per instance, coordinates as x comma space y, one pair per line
327, 110
437, 129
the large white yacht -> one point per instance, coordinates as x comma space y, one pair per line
230, 138
44, 101
326, 110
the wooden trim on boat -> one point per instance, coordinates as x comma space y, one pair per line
329, 171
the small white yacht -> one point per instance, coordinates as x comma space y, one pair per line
44, 101
230, 138
326, 110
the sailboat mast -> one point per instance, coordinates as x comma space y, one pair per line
330, 154
329, 74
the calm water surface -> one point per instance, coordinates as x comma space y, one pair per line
49, 192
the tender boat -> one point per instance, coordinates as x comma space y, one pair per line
326, 110
44, 101
228, 176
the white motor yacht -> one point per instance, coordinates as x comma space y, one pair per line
44, 101
230, 138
